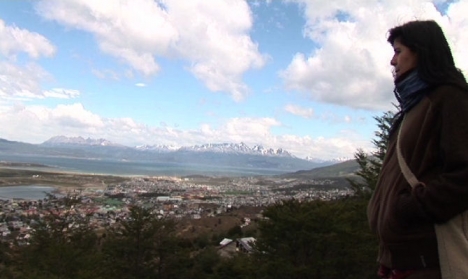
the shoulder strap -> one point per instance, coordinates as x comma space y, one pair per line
407, 173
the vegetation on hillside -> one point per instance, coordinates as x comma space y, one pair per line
296, 240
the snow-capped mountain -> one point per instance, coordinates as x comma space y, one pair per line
63, 140
218, 147
336, 160
157, 148
235, 148
221, 148
270, 151
222, 157
225, 148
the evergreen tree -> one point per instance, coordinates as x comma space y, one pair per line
204, 263
371, 164
240, 266
5, 260
62, 245
141, 246
235, 232
317, 239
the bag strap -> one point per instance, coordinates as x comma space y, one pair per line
407, 173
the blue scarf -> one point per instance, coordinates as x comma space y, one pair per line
409, 90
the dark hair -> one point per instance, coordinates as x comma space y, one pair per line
435, 60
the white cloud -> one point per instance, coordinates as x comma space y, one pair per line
133, 31
246, 129
351, 66
24, 83
73, 115
14, 40
140, 84
459, 40
205, 34
106, 73
217, 42
62, 93
343, 145
38, 123
21, 81
300, 111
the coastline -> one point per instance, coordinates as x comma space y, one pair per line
20, 174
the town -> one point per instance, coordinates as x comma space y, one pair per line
180, 198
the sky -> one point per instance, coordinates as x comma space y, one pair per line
308, 76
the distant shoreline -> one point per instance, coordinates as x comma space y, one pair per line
22, 165
52, 169
21, 174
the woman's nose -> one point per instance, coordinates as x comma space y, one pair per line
393, 60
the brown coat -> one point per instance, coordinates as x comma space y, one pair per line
434, 142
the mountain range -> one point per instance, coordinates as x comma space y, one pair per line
238, 156
232, 148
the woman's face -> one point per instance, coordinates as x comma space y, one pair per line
403, 59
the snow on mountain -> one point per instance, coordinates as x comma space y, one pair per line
218, 147
236, 148
157, 148
270, 151
335, 160
63, 140
228, 148
342, 159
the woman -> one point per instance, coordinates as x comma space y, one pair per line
433, 97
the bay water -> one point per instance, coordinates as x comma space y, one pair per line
134, 168
25, 192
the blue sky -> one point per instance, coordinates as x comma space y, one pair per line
307, 76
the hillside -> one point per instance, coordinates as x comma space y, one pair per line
344, 169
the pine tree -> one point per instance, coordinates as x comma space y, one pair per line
141, 246
62, 245
315, 239
371, 164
